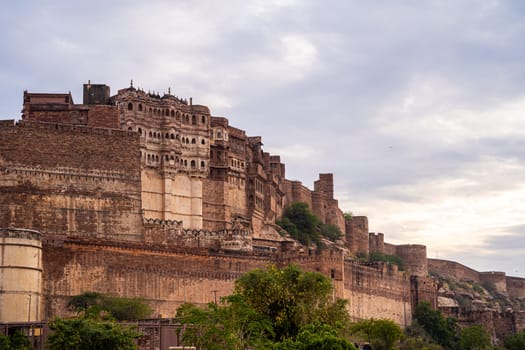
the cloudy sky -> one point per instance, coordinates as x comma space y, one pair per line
416, 106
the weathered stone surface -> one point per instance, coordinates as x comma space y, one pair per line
175, 205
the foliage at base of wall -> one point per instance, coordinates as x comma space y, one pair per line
87, 332
269, 309
15, 341
122, 309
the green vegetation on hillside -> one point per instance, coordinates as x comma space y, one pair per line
304, 226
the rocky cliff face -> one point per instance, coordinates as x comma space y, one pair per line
480, 302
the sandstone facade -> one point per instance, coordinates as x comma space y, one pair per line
142, 195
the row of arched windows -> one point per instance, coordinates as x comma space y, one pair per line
154, 158
168, 113
168, 136
235, 163
193, 163
193, 141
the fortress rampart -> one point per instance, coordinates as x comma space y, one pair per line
143, 195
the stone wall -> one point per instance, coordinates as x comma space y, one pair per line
494, 280
71, 180
453, 269
167, 275
357, 234
516, 287
377, 291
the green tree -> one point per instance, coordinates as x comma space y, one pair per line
474, 338
383, 334
291, 298
418, 343
515, 341
442, 330
303, 225
84, 333
348, 215
15, 341
231, 325
315, 337
300, 223
5, 342
122, 309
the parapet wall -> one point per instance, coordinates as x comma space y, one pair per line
167, 276
172, 233
516, 287
453, 269
51, 145
494, 279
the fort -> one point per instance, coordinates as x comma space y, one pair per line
142, 195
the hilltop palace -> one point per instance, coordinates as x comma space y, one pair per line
142, 195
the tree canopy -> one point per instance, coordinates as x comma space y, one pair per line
122, 309
443, 331
269, 309
87, 332
515, 341
304, 226
383, 334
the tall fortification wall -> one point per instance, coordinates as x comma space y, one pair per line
453, 269
175, 205
167, 276
70, 180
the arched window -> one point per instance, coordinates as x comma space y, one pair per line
219, 135
157, 157
172, 136
202, 164
149, 157
193, 141
130, 106
172, 158
203, 120
177, 137
140, 131
177, 115
192, 164
150, 134
203, 142
130, 128
185, 162
193, 120
172, 113
167, 157
140, 107
167, 135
